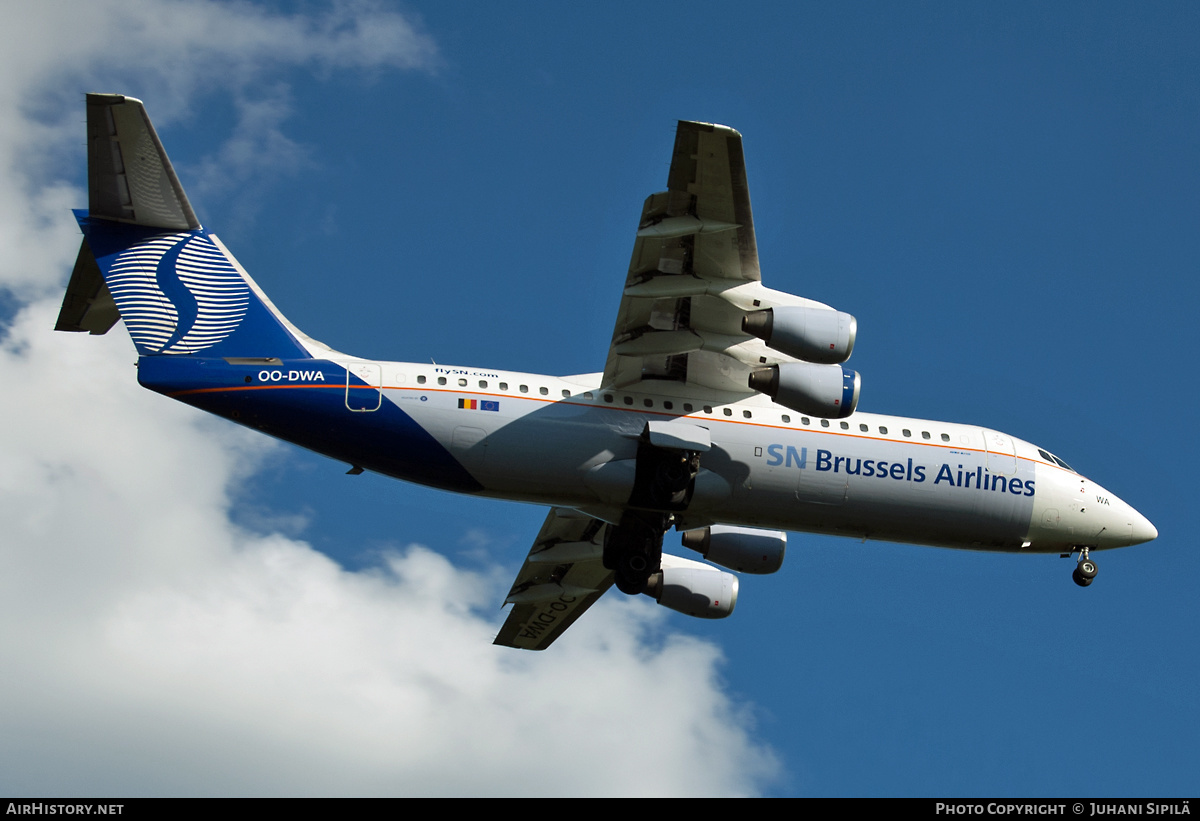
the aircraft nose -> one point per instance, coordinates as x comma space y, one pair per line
1121, 524
1143, 531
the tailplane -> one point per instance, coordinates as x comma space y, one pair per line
146, 259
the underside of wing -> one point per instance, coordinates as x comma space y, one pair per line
562, 577
694, 275
130, 178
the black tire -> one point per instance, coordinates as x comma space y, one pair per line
633, 549
1087, 569
1080, 579
631, 583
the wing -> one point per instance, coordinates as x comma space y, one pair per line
561, 578
694, 274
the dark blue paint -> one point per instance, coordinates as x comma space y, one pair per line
311, 414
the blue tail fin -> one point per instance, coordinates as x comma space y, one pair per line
177, 287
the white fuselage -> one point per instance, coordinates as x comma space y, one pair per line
561, 441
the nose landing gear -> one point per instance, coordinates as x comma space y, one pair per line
1085, 571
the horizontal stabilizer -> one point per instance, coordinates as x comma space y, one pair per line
130, 178
87, 305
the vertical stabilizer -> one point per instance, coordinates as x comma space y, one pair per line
145, 256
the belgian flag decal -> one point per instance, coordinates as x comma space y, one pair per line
479, 404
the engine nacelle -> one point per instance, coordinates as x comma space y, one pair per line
830, 391
820, 335
699, 591
745, 549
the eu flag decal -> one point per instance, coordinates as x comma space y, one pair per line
479, 404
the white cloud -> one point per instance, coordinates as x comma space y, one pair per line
170, 54
151, 646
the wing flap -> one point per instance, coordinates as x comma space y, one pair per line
708, 163
562, 577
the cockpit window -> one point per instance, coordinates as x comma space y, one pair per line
1062, 463
1054, 460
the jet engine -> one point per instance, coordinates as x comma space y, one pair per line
699, 591
830, 391
745, 549
820, 335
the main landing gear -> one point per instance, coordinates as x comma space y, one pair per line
664, 482
633, 549
1085, 571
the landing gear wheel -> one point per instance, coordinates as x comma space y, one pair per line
1085, 571
631, 574
633, 549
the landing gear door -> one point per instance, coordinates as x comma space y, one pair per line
363, 398
1001, 453
679, 436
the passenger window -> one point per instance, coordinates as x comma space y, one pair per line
483, 383
608, 398
628, 400
945, 437
648, 403
804, 420
907, 432
462, 383
845, 426
924, 434
746, 414
524, 389
824, 423
863, 428
544, 391
786, 419
421, 379
883, 430
687, 407
588, 395
727, 412
566, 393
441, 380
668, 404
708, 408
503, 386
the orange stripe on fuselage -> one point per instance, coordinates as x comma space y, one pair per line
642, 411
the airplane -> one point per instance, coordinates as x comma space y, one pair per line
724, 410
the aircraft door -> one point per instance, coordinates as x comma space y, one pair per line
362, 398
469, 446
820, 489
1001, 453
817, 487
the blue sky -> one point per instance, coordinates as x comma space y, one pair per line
1005, 197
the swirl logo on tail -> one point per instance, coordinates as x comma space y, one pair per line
178, 293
